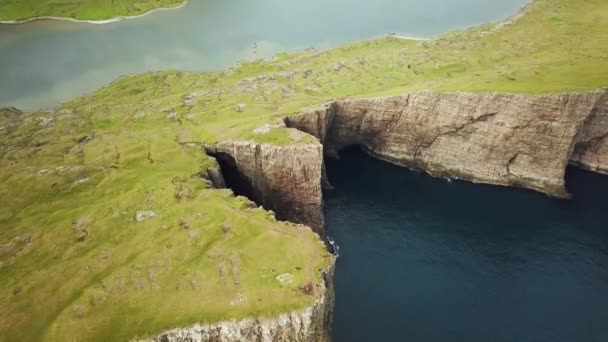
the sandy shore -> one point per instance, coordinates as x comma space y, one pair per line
96, 22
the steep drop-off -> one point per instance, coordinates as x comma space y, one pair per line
284, 179
309, 324
591, 151
495, 138
503, 139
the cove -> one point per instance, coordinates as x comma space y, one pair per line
45, 63
426, 259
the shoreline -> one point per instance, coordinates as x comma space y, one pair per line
94, 22
406, 37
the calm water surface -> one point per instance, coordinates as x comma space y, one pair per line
423, 259
48, 62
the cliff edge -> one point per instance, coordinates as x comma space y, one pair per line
284, 179
309, 324
496, 138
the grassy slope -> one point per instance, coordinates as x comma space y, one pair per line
130, 278
79, 9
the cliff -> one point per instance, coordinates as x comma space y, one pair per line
591, 151
503, 139
309, 324
284, 179
495, 138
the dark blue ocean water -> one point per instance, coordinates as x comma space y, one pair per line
424, 259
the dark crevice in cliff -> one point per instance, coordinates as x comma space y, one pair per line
233, 179
233, 174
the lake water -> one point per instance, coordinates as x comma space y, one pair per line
48, 62
424, 259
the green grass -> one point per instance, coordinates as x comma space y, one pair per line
79, 9
125, 146
131, 278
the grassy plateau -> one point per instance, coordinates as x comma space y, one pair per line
76, 264
79, 9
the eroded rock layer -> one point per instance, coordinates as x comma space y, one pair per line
591, 151
503, 139
284, 179
309, 324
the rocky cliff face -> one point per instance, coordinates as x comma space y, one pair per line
591, 150
309, 324
503, 139
284, 179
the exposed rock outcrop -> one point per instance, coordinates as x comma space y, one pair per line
284, 179
309, 324
503, 139
591, 151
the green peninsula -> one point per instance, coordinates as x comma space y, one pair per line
19, 10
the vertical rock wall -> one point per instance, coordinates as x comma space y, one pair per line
591, 151
503, 139
309, 324
284, 179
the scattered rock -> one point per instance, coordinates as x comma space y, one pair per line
236, 268
287, 74
285, 278
17, 290
82, 223
43, 172
189, 98
183, 192
338, 66
313, 90
184, 224
223, 269
240, 107
15, 245
226, 227
193, 234
194, 283
79, 311
239, 300
97, 298
307, 73
249, 204
24, 240
82, 235
170, 113
142, 215
79, 182
296, 135
46, 121
84, 139
264, 129
69, 169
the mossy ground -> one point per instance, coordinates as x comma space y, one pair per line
82, 176
79, 9
131, 146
